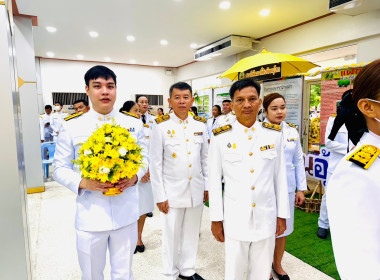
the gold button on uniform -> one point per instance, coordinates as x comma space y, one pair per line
246, 130
187, 140
249, 137
189, 165
184, 127
190, 178
253, 204
100, 118
250, 154
180, 121
189, 153
108, 118
252, 170
253, 188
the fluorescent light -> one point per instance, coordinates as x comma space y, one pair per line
93, 34
193, 45
51, 29
163, 42
79, 56
216, 54
155, 63
225, 5
50, 54
264, 12
108, 59
133, 61
131, 38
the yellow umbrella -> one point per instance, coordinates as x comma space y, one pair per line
290, 64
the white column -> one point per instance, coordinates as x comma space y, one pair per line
14, 240
26, 71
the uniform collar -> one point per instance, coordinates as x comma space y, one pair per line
178, 120
370, 138
282, 124
93, 114
242, 127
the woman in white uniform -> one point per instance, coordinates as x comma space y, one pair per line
275, 109
144, 187
353, 199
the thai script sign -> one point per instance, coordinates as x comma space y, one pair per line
316, 165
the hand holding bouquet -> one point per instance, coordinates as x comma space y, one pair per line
109, 155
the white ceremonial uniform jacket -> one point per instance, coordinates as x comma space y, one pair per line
59, 119
295, 167
338, 147
252, 162
45, 118
95, 211
149, 118
211, 124
230, 118
354, 215
178, 161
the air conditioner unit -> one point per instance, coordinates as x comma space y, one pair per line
225, 47
353, 7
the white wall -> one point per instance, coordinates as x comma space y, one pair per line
67, 76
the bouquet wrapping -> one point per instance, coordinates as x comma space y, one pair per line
109, 155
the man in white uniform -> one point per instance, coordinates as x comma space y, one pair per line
178, 171
59, 116
338, 149
228, 116
47, 128
146, 116
250, 155
101, 221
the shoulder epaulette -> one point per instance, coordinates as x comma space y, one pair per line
221, 129
130, 114
291, 125
333, 115
151, 114
146, 125
200, 119
364, 156
272, 126
162, 119
73, 116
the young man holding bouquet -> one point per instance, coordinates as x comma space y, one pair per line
178, 172
102, 221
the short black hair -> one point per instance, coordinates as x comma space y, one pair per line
127, 106
85, 102
139, 96
194, 109
219, 109
239, 85
226, 101
48, 107
99, 71
180, 86
59, 102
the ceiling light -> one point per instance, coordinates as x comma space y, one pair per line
155, 63
225, 5
264, 12
193, 46
216, 54
133, 61
51, 29
108, 59
79, 56
131, 38
50, 54
93, 34
163, 42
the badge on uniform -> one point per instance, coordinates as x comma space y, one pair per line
292, 139
234, 146
171, 133
198, 133
229, 145
267, 147
132, 129
146, 125
146, 137
174, 155
151, 121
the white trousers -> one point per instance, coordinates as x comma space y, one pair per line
255, 257
180, 236
323, 220
92, 249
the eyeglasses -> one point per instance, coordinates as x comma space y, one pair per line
377, 101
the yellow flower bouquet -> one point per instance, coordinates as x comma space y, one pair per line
109, 155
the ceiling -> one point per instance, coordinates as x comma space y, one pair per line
180, 22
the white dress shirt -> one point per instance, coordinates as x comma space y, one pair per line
252, 162
95, 211
354, 215
211, 124
178, 161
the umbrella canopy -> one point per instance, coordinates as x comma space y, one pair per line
290, 64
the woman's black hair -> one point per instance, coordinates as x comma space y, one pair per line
127, 106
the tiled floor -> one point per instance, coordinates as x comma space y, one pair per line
51, 223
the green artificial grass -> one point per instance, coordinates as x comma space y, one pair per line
304, 244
